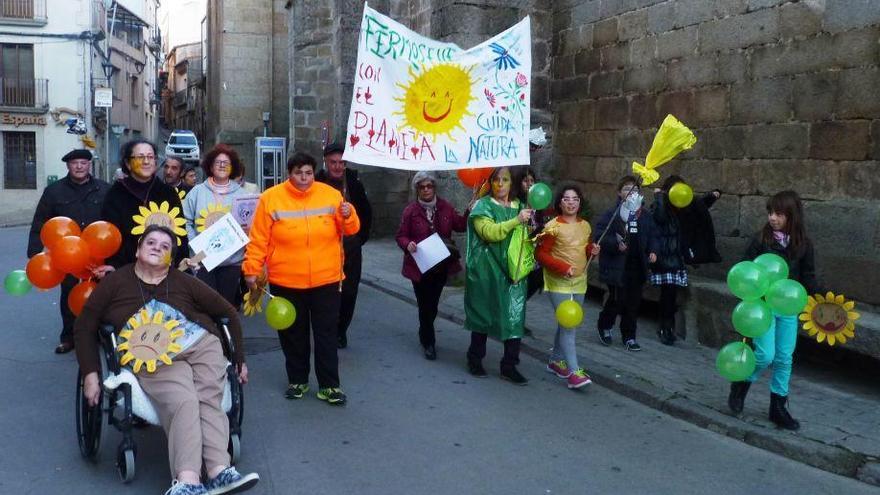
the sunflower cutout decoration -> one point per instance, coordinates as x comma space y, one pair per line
830, 318
159, 215
181, 193
149, 337
210, 214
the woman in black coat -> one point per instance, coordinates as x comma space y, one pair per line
685, 235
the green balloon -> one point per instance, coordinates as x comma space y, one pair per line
748, 280
775, 266
17, 283
787, 297
752, 318
540, 196
569, 314
280, 313
735, 361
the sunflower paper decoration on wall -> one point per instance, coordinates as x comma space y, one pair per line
159, 215
830, 318
210, 214
149, 337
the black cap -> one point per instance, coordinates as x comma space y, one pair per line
334, 148
77, 154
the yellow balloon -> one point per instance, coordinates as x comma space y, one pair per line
569, 314
681, 195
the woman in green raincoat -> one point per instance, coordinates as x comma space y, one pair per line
493, 304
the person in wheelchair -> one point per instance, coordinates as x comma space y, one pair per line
161, 314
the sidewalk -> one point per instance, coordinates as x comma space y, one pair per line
840, 422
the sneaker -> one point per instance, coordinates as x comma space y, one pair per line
560, 368
231, 481
579, 378
332, 395
605, 336
431, 353
632, 345
513, 375
476, 369
296, 390
178, 488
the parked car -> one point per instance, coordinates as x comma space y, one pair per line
184, 145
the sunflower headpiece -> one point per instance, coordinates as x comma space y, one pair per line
830, 318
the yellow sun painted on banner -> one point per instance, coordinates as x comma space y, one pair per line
159, 215
211, 214
436, 100
148, 339
830, 318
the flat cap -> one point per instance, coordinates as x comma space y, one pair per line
77, 154
334, 148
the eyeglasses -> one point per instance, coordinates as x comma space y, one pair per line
222, 162
571, 200
143, 158
426, 186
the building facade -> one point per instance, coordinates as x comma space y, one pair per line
183, 95
247, 66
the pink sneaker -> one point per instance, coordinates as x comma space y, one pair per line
579, 378
559, 368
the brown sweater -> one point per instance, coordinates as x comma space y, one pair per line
118, 297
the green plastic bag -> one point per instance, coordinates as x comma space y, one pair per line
520, 254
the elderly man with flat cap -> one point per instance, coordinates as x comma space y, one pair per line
337, 174
79, 196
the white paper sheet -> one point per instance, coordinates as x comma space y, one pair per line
430, 252
219, 241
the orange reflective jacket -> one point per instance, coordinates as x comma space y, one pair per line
297, 235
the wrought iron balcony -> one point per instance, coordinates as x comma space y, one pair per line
24, 93
22, 11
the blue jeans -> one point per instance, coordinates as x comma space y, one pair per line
563, 344
776, 347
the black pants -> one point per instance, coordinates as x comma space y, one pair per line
226, 280
534, 283
317, 312
477, 350
352, 270
67, 316
668, 293
428, 291
623, 301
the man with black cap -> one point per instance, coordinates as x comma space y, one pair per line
345, 180
78, 196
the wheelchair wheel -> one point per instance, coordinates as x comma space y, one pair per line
89, 421
125, 465
234, 448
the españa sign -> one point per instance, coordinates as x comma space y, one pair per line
421, 104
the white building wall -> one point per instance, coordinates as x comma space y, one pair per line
65, 64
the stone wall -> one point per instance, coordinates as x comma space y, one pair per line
781, 95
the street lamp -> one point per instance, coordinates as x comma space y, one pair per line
109, 69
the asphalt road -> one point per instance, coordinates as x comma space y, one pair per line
411, 426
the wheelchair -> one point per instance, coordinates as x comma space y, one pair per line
115, 406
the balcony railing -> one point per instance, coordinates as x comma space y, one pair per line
24, 93
24, 10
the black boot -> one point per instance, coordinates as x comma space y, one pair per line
511, 374
737, 397
779, 414
475, 368
666, 336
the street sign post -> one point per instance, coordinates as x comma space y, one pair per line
104, 97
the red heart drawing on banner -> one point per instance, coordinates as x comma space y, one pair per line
391, 143
414, 151
371, 133
354, 140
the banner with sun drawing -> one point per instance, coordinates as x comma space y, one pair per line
421, 104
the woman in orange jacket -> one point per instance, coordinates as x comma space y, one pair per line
296, 235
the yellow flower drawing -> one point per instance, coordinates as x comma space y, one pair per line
830, 318
148, 339
210, 214
159, 215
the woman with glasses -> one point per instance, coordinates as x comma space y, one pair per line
208, 202
493, 303
139, 200
427, 215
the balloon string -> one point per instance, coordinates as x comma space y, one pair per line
267, 292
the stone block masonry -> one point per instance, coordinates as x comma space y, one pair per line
781, 95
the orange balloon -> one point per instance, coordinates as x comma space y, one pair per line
70, 254
41, 273
473, 177
103, 238
78, 295
56, 228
